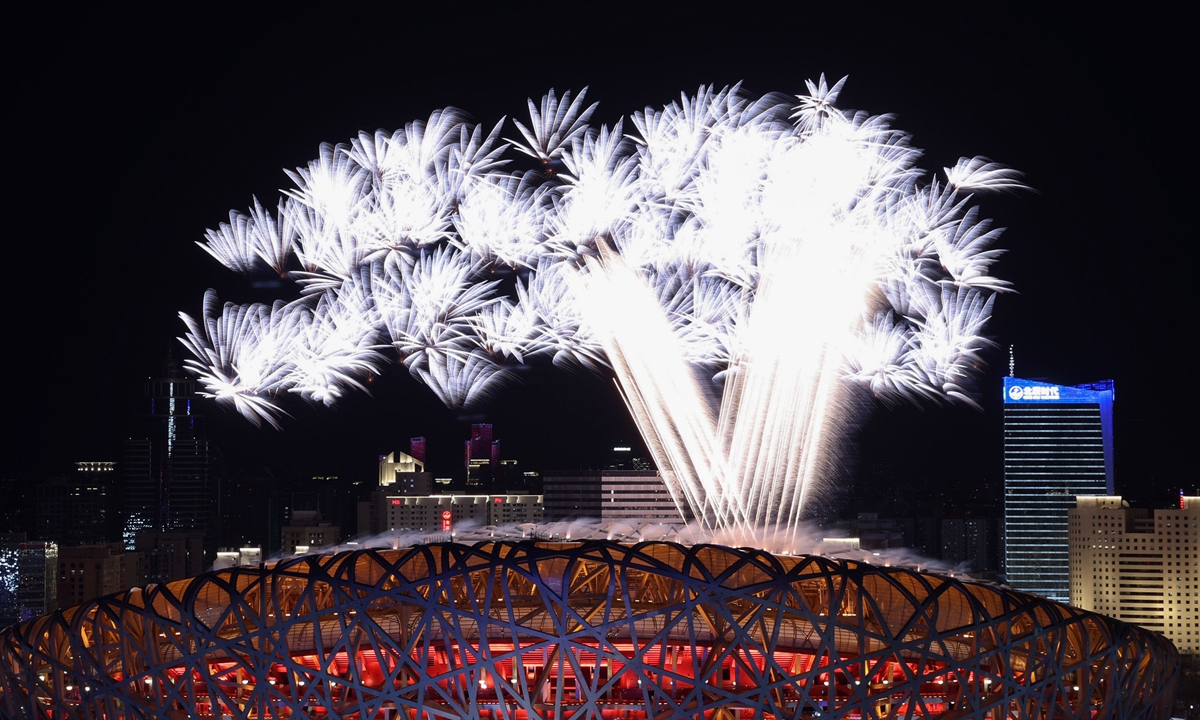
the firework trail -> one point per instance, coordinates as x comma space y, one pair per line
741, 266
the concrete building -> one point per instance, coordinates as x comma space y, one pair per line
481, 458
37, 579
1137, 565
609, 495
446, 513
971, 540
171, 555
87, 572
403, 474
77, 509
1057, 444
10, 578
313, 536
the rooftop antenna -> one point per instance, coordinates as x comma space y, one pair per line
1012, 363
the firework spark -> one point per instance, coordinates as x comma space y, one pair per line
740, 265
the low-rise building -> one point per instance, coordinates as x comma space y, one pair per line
609, 495
446, 513
310, 536
88, 572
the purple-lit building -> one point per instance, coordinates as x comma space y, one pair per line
482, 456
416, 448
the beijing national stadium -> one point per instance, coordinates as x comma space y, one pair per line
517, 630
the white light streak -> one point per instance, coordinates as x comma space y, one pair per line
741, 266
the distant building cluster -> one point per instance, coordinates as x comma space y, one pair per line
169, 510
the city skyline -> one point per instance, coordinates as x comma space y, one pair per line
1092, 296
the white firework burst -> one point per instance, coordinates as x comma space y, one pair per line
739, 264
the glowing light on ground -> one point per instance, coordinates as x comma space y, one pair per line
743, 266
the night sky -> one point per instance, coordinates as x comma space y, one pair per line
134, 134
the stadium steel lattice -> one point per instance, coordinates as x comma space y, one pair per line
522, 630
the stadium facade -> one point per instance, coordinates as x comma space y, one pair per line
589, 630
1058, 444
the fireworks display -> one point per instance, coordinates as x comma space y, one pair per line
740, 264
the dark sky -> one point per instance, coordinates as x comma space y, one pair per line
133, 134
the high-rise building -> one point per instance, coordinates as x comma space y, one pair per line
168, 473
972, 541
1137, 565
170, 555
416, 448
76, 509
1057, 445
37, 579
10, 577
249, 501
482, 457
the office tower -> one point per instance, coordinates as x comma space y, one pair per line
76, 509
248, 503
416, 448
171, 555
972, 541
17, 512
449, 513
37, 579
10, 579
1137, 565
482, 457
1057, 445
167, 469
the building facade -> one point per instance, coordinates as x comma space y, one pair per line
1140, 566
448, 513
89, 571
609, 495
168, 468
481, 458
404, 474
78, 509
170, 555
37, 578
1057, 444
309, 537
